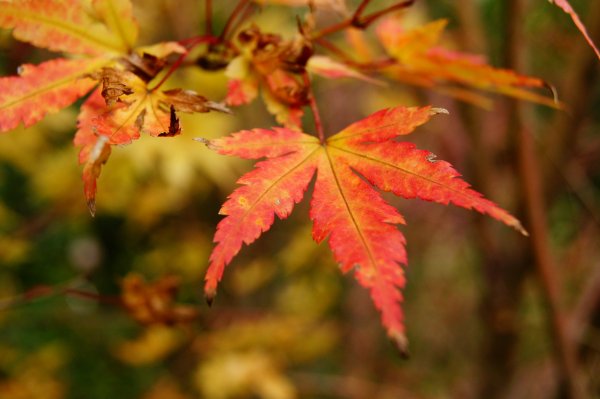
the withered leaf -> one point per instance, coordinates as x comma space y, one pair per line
190, 101
112, 85
146, 66
174, 127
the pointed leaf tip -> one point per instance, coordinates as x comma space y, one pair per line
91, 203
557, 102
519, 227
435, 111
401, 342
209, 296
206, 142
220, 107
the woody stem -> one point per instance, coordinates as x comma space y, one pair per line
208, 16
361, 8
314, 109
373, 65
360, 22
189, 44
234, 14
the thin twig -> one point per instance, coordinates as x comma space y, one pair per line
314, 109
347, 59
587, 305
44, 291
190, 44
247, 12
208, 16
232, 17
361, 8
369, 19
358, 21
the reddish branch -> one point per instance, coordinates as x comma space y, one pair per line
208, 16
314, 109
357, 20
374, 65
44, 291
239, 8
189, 44
535, 210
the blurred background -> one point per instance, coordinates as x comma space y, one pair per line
489, 314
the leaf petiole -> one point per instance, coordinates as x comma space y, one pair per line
360, 22
189, 44
314, 109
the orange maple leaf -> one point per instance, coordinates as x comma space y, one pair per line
103, 35
345, 208
421, 61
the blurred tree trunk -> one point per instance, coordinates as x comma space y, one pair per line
501, 254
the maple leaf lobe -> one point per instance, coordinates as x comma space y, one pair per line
360, 226
42, 89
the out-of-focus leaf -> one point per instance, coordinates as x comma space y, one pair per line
329, 68
421, 61
43, 89
154, 303
232, 374
166, 388
37, 376
71, 25
153, 345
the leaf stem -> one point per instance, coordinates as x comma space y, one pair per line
208, 16
361, 8
314, 109
358, 21
43, 291
189, 44
346, 58
232, 17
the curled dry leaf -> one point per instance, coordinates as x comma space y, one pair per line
132, 110
154, 303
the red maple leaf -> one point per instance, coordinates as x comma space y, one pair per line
345, 207
103, 35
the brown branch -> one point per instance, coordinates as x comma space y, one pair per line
45, 291
364, 22
241, 5
587, 305
190, 44
347, 59
580, 74
502, 265
208, 16
530, 178
358, 21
